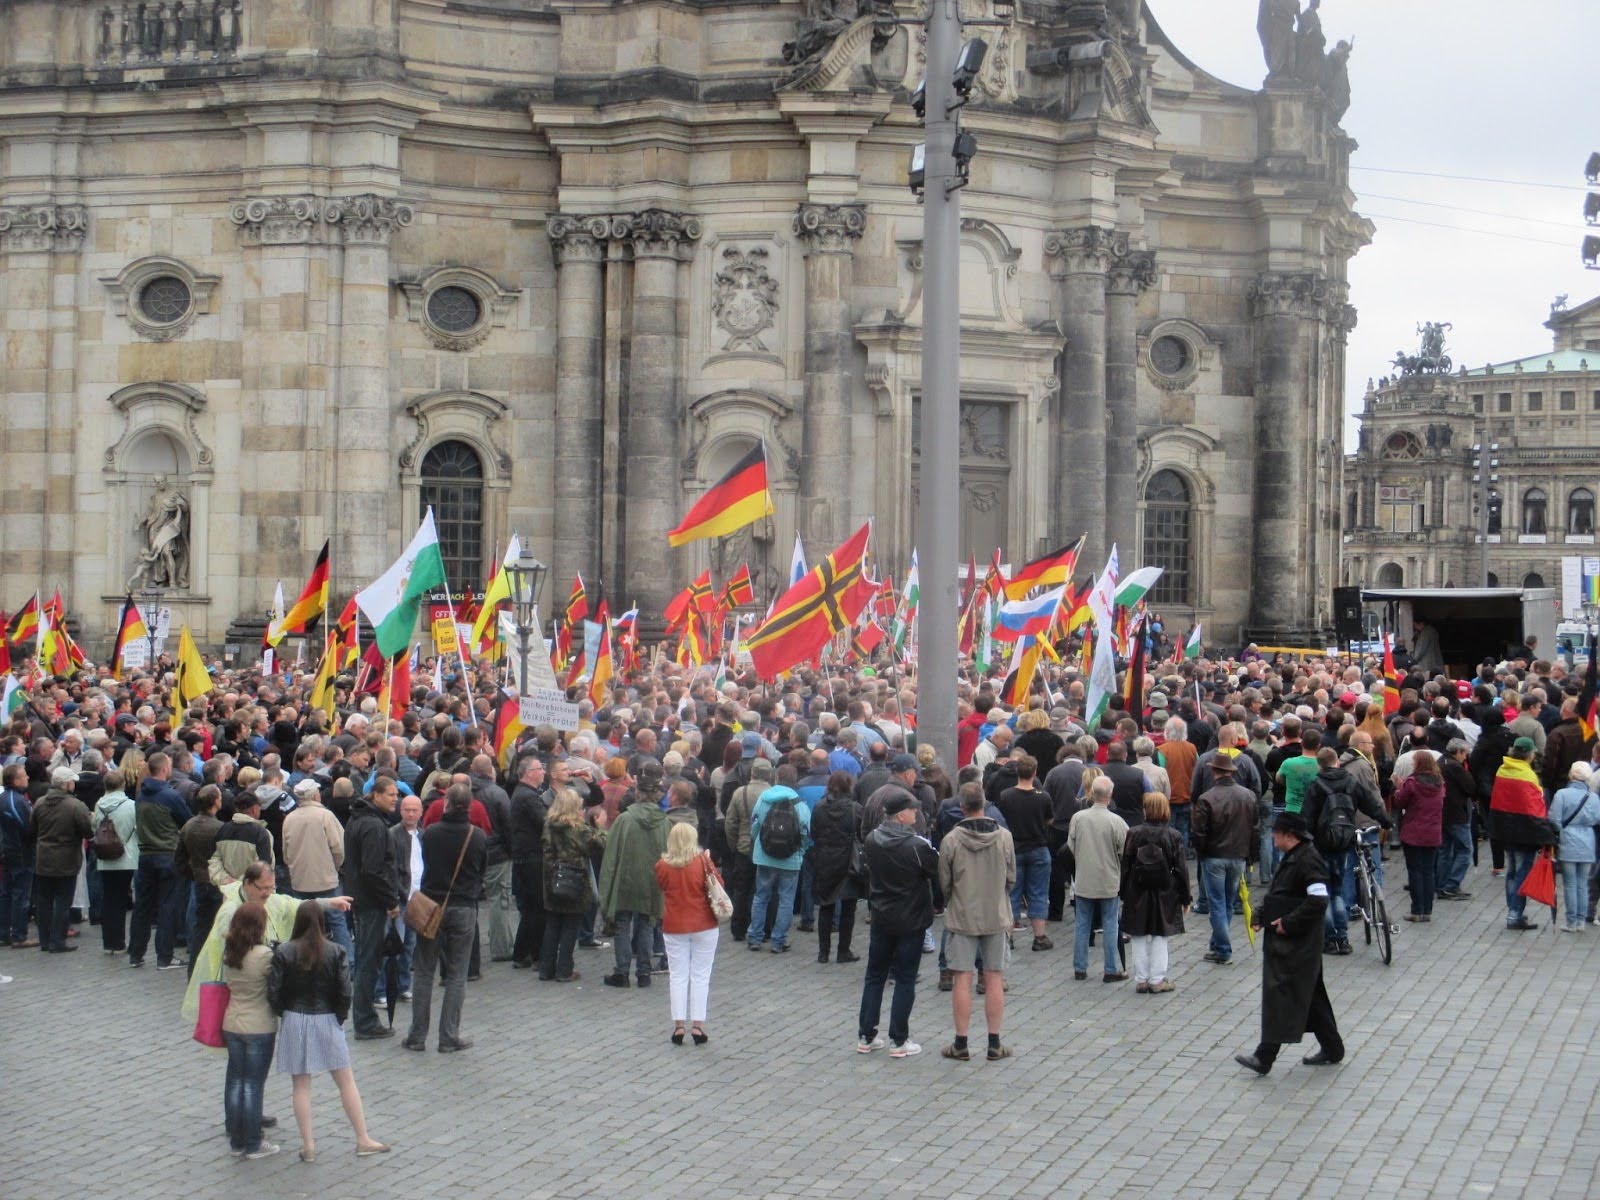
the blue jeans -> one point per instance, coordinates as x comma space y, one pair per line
769, 880
1455, 856
1519, 861
159, 903
249, 1057
1220, 879
16, 897
1089, 912
1575, 891
1269, 852
897, 954
1341, 866
1033, 881
1180, 822
634, 943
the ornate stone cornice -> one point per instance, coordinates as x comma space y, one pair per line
1304, 294
1131, 273
278, 220
578, 239
38, 228
1089, 250
830, 228
658, 233
368, 219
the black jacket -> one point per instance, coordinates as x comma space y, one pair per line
498, 805
901, 867
835, 828
1223, 822
1292, 960
400, 839
1127, 791
1460, 790
1336, 779
292, 988
369, 875
441, 848
528, 809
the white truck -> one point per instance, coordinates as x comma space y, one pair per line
1473, 623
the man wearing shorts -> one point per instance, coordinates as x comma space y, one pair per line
977, 868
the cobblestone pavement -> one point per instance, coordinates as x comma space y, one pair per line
1473, 1072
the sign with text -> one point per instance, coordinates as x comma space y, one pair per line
548, 706
444, 635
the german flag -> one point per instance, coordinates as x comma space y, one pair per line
25, 626
828, 598
313, 602
1047, 571
507, 727
1133, 684
739, 590
737, 499
577, 602
604, 668
130, 628
1025, 665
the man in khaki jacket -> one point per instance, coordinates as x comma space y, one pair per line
977, 868
1095, 838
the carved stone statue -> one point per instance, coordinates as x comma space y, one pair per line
1336, 81
825, 20
1275, 21
1309, 43
164, 561
1559, 304
1430, 358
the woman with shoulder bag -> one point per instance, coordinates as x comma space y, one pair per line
569, 846
116, 874
689, 928
1154, 891
835, 829
249, 1030
309, 986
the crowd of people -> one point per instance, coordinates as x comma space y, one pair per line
329, 868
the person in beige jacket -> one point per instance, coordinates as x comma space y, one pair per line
1095, 838
313, 852
977, 868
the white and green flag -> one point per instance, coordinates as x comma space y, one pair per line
907, 612
1191, 648
1137, 586
392, 601
12, 698
1102, 675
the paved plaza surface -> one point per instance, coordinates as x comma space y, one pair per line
1473, 1072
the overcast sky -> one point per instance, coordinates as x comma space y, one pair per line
1489, 89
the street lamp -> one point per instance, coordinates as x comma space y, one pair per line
527, 581
152, 607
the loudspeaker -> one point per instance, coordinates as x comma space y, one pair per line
1347, 614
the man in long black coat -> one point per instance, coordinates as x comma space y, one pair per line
1294, 1001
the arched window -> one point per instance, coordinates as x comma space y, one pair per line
452, 483
1580, 511
1391, 575
1533, 579
1533, 511
1168, 537
1352, 512
1493, 580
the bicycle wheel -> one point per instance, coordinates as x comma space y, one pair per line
1380, 920
1364, 903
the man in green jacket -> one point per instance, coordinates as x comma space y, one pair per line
629, 895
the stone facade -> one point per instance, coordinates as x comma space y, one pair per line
304, 257
1413, 514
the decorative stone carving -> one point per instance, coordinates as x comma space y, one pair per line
495, 305
125, 287
164, 558
744, 299
826, 21
1089, 250
658, 233
1296, 295
169, 407
42, 227
368, 219
830, 228
471, 417
1176, 372
278, 220
578, 239
1131, 273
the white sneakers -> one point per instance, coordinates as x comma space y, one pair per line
865, 1047
266, 1150
905, 1049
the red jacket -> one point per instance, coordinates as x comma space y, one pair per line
967, 737
477, 815
684, 889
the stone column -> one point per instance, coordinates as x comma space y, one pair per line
827, 233
366, 474
1280, 594
1080, 258
660, 240
1130, 274
579, 246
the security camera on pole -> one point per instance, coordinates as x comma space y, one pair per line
939, 168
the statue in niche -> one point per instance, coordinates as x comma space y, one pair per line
164, 560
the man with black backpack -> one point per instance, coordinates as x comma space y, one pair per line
780, 828
1330, 804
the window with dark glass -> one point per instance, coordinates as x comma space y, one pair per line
1535, 401
165, 299
454, 309
1168, 537
1504, 401
452, 484
1493, 580
1494, 514
1580, 511
1533, 511
1533, 579
1569, 401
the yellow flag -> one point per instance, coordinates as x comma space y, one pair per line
498, 593
1249, 913
322, 687
192, 677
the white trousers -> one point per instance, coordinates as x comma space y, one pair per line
689, 958
1149, 959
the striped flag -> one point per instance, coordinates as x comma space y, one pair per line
738, 499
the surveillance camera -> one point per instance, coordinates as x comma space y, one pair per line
919, 99
968, 64
918, 174
1592, 170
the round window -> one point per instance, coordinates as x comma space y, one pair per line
1170, 355
164, 299
454, 309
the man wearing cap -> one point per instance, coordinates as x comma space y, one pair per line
901, 867
1224, 823
1517, 820
313, 851
1294, 1000
903, 776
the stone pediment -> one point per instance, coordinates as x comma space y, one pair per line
847, 63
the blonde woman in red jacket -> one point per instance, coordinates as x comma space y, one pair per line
689, 929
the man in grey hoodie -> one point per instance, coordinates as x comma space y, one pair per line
977, 868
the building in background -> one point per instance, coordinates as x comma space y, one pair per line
275, 273
1414, 516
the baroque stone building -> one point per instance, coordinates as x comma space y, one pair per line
551, 266
1414, 516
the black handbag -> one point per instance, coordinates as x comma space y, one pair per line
569, 883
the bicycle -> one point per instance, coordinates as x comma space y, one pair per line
1370, 903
